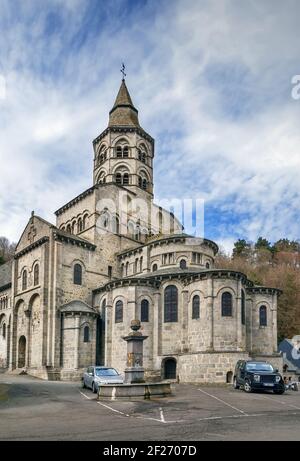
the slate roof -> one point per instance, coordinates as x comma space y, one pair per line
77, 306
123, 112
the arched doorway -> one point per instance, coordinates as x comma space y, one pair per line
229, 376
169, 369
22, 352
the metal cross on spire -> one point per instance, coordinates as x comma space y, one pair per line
123, 71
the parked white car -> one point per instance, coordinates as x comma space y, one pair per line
93, 377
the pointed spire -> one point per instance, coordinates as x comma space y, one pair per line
123, 112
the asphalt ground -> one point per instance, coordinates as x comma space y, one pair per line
32, 409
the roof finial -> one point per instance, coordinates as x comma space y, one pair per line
123, 71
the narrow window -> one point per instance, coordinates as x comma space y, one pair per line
171, 304
145, 311
196, 307
86, 334
226, 304
119, 312
109, 272
24, 281
77, 274
125, 179
36, 275
118, 178
263, 316
119, 152
243, 308
154, 268
125, 152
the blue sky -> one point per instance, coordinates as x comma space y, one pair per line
211, 80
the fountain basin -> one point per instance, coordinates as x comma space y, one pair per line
134, 391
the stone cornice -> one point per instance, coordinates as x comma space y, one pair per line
124, 129
74, 241
75, 200
33, 245
264, 290
169, 239
141, 281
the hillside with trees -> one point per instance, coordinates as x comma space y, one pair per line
275, 265
7, 249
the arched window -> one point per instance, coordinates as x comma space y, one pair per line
4, 331
243, 308
127, 269
79, 228
125, 179
145, 311
119, 152
24, 281
69, 229
136, 265
263, 316
140, 182
196, 307
125, 151
182, 264
144, 185
86, 334
207, 265
74, 227
226, 304
36, 275
84, 222
119, 312
118, 178
77, 274
154, 268
171, 304
141, 264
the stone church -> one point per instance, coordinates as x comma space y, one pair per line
73, 287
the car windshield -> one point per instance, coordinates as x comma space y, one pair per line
106, 372
259, 367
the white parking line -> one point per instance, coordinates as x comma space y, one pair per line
86, 396
222, 401
112, 409
274, 399
162, 418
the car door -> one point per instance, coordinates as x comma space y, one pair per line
242, 371
90, 376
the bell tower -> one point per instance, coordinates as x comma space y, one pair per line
123, 152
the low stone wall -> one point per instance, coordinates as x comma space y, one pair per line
141, 391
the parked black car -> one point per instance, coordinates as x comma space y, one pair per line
252, 375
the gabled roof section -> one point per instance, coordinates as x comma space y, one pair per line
35, 230
123, 112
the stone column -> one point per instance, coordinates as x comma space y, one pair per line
185, 320
210, 313
239, 315
155, 331
76, 341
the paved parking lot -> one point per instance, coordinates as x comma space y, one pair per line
31, 409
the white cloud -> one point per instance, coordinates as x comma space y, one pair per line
212, 81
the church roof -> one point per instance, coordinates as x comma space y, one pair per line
123, 112
5, 274
77, 306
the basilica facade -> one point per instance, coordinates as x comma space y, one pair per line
68, 296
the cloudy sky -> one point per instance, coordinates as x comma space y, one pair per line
211, 80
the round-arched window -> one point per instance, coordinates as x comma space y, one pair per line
226, 304
171, 304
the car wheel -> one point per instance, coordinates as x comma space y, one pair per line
235, 384
279, 392
94, 389
247, 387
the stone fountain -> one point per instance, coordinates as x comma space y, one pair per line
134, 386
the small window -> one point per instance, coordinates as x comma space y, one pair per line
86, 334
24, 281
145, 311
125, 151
263, 316
118, 178
154, 268
196, 307
119, 312
182, 264
77, 274
4, 331
226, 304
207, 265
36, 275
144, 185
125, 179
109, 272
119, 152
